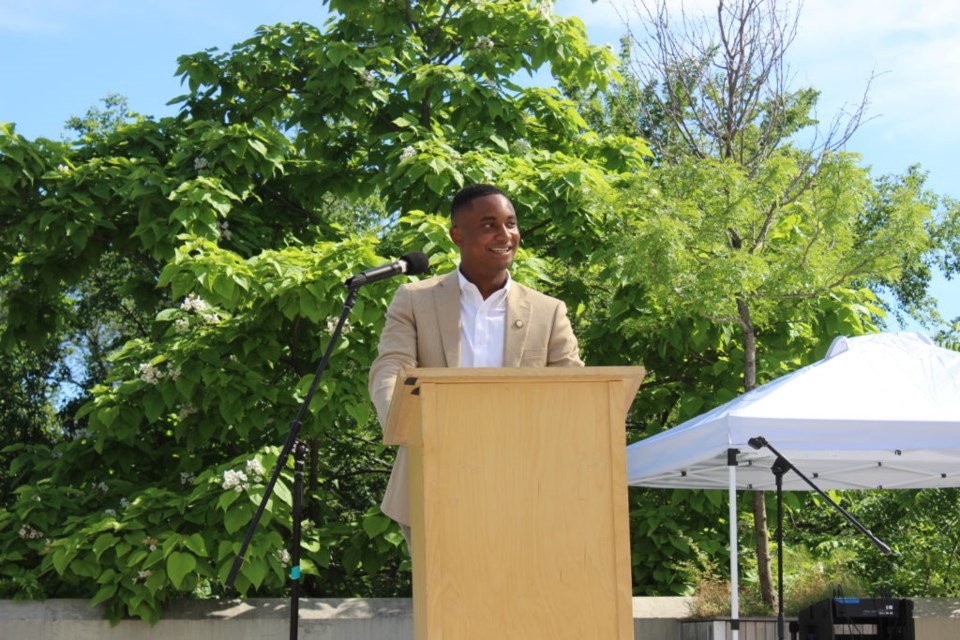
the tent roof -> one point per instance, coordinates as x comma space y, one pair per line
879, 411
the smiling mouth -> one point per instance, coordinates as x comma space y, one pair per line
502, 251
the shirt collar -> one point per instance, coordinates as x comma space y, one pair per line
466, 285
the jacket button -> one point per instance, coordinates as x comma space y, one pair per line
518, 324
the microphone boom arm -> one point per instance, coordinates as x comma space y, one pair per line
785, 465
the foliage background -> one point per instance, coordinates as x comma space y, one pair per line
168, 285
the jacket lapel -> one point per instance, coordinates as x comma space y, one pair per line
518, 323
446, 299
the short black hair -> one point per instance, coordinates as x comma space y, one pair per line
470, 193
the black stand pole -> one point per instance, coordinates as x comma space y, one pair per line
299, 457
780, 466
288, 447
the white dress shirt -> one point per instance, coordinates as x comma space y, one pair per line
482, 325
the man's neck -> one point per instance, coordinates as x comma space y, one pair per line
489, 285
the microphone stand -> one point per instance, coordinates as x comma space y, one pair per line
780, 466
299, 450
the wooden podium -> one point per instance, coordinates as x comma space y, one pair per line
518, 498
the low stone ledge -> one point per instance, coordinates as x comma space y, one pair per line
256, 618
269, 608
253, 619
336, 619
310, 609
936, 607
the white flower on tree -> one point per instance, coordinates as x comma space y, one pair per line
29, 533
255, 470
484, 43
194, 303
234, 480
545, 8
332, 325
150, 373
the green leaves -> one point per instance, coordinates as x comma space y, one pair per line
102, 543
375, 524
196, 265
180, 564
238, 517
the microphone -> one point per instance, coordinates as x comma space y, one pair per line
414, 263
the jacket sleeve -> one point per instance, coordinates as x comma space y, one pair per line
396, 351
563, 349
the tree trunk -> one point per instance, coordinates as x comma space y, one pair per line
762, 538
762, 534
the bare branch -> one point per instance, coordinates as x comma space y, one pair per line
723, 88
443, 18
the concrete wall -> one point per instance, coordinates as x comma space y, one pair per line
254, 619
936, 618
340, 619
347, 619
933, 619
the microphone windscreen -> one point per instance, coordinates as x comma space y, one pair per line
417, 263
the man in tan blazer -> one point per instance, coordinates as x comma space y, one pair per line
474, 316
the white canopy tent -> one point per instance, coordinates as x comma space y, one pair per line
879, 411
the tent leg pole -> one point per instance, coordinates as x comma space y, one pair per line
734, 548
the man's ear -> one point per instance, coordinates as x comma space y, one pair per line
455, 236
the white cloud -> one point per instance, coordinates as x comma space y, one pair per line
612, 14
913, 47
835, 22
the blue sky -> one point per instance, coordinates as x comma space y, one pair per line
59, 57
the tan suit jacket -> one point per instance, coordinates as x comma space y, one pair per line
423, 330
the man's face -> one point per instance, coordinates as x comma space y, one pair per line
487, 234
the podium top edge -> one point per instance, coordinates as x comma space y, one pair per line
519, 374
404, 409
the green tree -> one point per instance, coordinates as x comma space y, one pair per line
920, 526
298, 158
751, 246
27, 417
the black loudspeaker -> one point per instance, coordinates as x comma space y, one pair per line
861, 618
